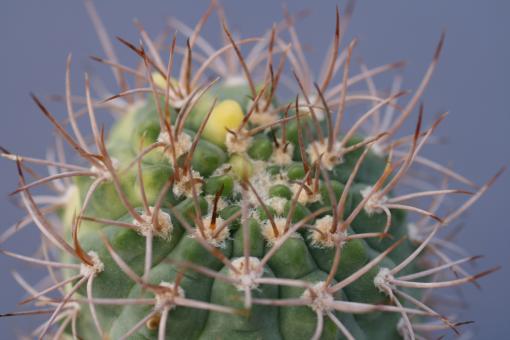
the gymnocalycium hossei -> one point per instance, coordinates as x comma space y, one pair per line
237, 195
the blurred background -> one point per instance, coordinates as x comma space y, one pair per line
471, 82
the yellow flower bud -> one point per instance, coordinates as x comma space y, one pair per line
160, 81
228, 114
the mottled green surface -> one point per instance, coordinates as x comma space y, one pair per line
296, 259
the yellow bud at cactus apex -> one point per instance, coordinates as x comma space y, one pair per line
228, 114
159, 80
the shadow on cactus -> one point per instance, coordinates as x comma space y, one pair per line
216, 209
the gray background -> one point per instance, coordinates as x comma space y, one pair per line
472, 82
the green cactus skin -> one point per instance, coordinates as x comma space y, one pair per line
297, 259
218, 210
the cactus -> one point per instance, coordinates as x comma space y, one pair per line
216, 209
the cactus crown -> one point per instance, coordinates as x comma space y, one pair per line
214, 209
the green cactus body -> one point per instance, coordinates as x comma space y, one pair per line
218, 210
299, 258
